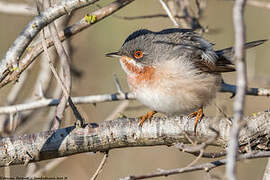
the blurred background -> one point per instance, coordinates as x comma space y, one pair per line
96, 77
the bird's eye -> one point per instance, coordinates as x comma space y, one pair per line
138, 54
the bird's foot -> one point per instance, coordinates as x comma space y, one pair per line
148, 115
199, 115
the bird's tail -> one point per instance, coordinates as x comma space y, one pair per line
227, 54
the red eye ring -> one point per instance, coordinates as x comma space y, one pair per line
138, 54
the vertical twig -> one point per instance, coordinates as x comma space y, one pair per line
65, 66
7, 172
239, 102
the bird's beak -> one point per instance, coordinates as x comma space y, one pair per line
113, 54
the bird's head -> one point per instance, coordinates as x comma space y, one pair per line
137, 52
144, 49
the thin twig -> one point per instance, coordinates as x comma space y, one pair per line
45, 102
17, 9
76, 100
266, 175
259, 4
100, 167
202, 167
209, 154
241, 81
34, 50
65, 76
117, 85
166, 8
11, 59
48, 167
146, 16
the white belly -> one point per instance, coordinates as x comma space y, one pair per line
178, 103
177, 89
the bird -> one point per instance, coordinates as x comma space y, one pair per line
174, 71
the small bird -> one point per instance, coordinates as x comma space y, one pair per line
174, 71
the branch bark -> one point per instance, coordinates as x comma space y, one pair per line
124, 132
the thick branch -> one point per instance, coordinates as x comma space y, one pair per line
124, 132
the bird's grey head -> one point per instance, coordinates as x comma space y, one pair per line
148, 48
139, 46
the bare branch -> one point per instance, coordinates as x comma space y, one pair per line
65, 79
45, 102
202, 167
117, 85
166, 8
249, 91
239, 102
48, 167
147, 16
17, 8
125, 132
260, 4
36, 49
266, 175
77, 100
101, 165
10, 61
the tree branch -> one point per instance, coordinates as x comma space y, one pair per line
76, 100
202, 167
11, 74
239, 102
125, 132
45, 102
10, 60
17, 8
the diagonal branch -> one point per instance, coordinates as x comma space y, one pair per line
10, 60
9, 73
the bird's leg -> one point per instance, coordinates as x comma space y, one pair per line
148, 115
199, 115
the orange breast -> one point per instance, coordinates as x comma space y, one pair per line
142, 75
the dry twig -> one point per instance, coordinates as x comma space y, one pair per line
202, 167
45, 102
100, 167
11, 74
167, 10
239, 102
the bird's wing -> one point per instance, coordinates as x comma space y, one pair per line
201, 52
219, 67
